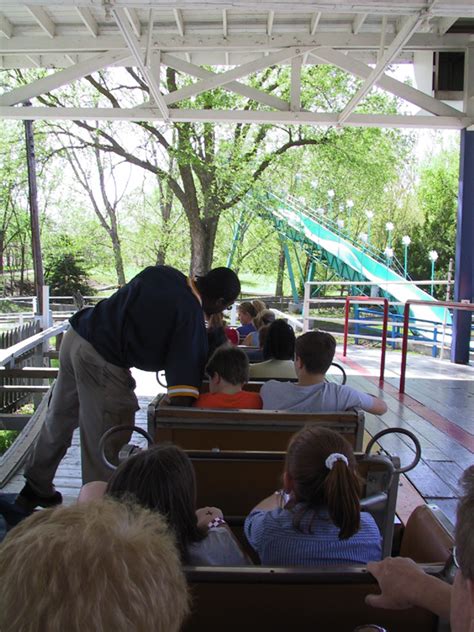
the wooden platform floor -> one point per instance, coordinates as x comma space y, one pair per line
438, 408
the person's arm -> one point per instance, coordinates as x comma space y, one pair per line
379, 407
95, 490
247, 341
404, 584
276, 500
185, 360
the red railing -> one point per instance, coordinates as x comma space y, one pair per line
406, 324
368, 299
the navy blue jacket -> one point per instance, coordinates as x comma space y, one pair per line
153, 322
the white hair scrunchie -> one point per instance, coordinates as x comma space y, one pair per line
332, 458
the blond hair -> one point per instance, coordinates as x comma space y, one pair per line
96, 566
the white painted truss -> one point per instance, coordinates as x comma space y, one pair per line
221, 44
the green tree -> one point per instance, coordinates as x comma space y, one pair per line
437, 195
209, 168
66, 271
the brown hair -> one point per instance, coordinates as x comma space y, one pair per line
259, 305
264, 317
161, 479
316, 486
465, 524
279, 341
230, 363
316, 351
95, 566
248, 308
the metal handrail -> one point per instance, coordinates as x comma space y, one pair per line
406, 324
365, 299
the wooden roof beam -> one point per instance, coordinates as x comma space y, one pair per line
409, 27
132, 16
6, 27
89, 20
398, 88
234, 86
236, 73
445, 24
383, 35
134, 45
358, 22
225, 25
314, 22
270, 19
323, 119
178, 17
61, 78
43, 19
295, 87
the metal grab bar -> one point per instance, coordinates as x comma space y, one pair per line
406, 324
365, 299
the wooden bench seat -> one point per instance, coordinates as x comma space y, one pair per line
236, 481
227, 429
283, 599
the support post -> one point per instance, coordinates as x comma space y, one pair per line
34, 214
463, 279
235, 241
294, 289
464, 275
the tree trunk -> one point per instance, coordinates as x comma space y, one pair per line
280, 273
118, 261
2, 250
203, 237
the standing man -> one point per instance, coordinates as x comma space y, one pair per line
154, 322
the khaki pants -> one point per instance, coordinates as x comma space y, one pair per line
91, 394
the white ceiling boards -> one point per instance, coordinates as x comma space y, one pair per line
220, 44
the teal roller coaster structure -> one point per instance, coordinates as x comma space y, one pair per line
310, 231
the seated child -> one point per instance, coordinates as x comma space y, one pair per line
162, 479
317, 519
246, 313
314, 353
217, 323
278, 353
228, 371
262, 319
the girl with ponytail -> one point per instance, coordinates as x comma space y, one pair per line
316, 520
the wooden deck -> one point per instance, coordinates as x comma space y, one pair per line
438, 407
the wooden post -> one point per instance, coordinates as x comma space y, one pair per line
34, 215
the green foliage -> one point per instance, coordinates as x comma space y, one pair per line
7, 437
66, 271
437, 194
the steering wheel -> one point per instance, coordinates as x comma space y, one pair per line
112, 431
341, 369
402, 431
159, 376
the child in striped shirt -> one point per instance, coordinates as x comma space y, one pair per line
317, 520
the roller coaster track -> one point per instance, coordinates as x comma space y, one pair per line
327, 243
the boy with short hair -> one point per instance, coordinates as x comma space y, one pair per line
228, 371
314, 353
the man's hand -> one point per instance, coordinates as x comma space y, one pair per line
400, 580
205, 515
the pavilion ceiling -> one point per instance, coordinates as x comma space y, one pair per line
219, 44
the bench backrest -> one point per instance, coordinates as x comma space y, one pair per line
428, 536
206, 429
236, 481
284, 599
